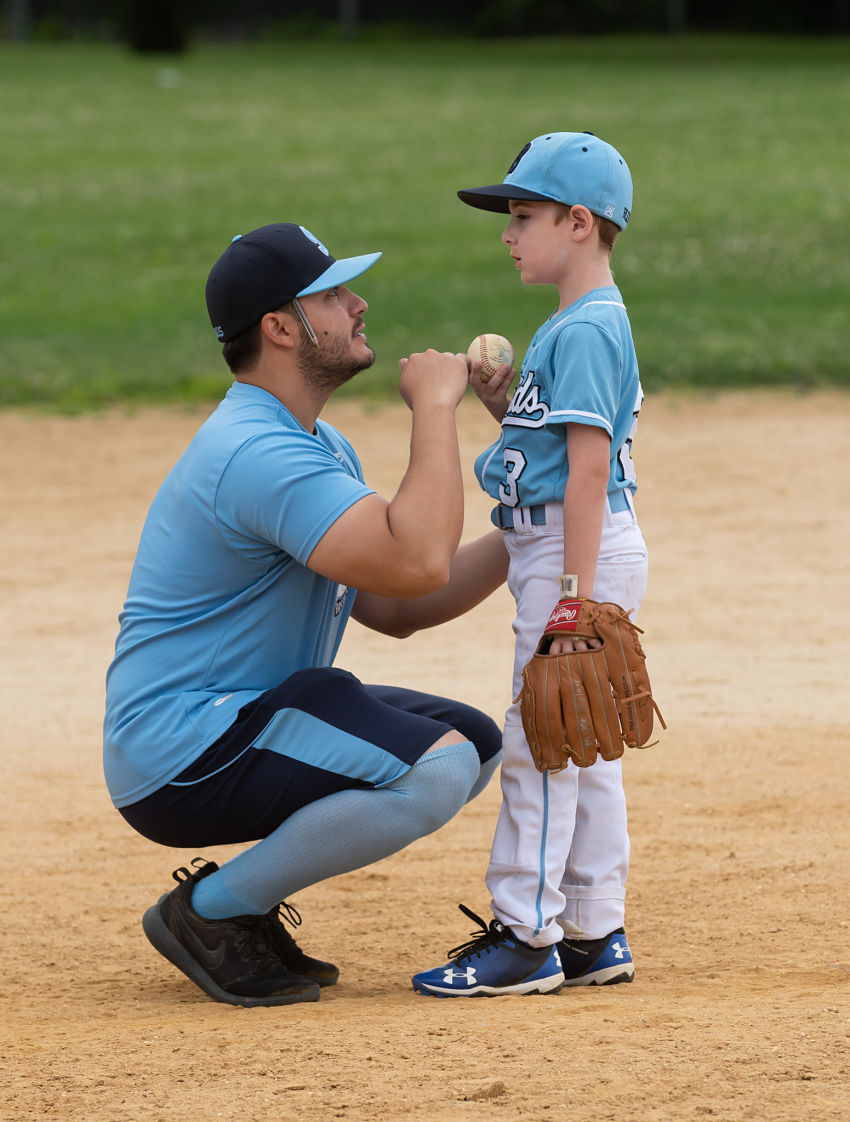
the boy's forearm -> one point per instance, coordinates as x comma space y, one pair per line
582, 535
584, 502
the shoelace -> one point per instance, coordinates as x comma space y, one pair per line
255, 945
259, 935
288, 913
481, 940
275, 916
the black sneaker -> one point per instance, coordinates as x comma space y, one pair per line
233, 960
291, 955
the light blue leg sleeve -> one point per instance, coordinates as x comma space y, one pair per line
484, 776
342, 832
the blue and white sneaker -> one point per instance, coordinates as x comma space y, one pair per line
597, 962
493, 962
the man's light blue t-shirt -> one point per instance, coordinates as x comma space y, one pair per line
221, 606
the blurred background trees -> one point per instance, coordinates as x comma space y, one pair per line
169, 25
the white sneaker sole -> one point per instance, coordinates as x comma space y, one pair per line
538, 986
610, 976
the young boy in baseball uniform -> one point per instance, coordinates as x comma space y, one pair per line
562, 476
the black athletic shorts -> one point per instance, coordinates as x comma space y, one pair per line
319, 732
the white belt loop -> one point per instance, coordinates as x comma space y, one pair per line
554, 518
617, 518
522, 520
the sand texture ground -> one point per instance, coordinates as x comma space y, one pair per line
739, 896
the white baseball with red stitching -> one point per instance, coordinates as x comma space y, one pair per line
492, 351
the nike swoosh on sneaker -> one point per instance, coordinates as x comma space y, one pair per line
211, 958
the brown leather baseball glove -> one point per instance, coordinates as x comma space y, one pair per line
581, 703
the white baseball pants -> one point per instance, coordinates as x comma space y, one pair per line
560, 854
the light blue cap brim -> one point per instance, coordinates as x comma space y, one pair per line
564, 167
341, 272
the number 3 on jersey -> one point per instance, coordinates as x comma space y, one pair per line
514, 467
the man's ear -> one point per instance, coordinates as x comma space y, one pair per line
280, 328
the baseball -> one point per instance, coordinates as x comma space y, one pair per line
491, 351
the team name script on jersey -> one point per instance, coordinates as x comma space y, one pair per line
525, 407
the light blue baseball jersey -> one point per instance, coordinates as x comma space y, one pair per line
580, 367
221, 606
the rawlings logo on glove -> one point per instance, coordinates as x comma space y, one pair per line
581, 704
564, 616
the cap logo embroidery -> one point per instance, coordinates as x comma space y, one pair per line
314, 240
609, 211
519, 156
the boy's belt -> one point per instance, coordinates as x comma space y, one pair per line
503, 516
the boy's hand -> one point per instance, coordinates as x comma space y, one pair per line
493, 392
565, 645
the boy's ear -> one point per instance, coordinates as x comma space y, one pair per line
581, 222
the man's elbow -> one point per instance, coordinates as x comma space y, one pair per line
398, 631
422, 575
392, 626
423, 579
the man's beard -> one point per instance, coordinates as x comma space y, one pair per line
331, 364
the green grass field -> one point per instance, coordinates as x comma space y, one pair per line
124, 178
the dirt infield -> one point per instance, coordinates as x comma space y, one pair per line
739, 896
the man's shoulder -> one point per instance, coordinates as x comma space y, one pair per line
245, 420
246, 406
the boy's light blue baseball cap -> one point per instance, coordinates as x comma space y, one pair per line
576, 168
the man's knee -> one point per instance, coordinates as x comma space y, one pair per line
452, 737
440, 781
484, 733
487, 739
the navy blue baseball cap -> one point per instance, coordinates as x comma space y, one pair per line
576, 168
260, 271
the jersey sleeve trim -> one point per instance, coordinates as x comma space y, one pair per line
565, 416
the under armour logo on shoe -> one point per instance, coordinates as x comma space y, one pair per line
467, 975
618, 950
